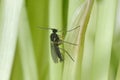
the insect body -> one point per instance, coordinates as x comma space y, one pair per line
55, 42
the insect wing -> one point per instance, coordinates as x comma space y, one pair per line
53, 53
60, 56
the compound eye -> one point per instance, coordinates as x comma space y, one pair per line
54, 30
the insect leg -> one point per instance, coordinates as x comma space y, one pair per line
69, 43
67, 53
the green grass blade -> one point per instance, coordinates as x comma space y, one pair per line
55, 20
9, 29
103, 39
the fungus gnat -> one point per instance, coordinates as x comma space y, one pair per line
55, 42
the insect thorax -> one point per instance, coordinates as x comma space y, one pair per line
54, 37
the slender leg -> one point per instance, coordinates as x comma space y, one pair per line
67, 53
69, 43
61, 41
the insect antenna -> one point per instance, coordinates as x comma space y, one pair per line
73, 29
45, 28
69, 30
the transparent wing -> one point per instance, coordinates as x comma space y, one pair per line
60, 56
53, 53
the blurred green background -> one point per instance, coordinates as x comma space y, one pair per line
25, 52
